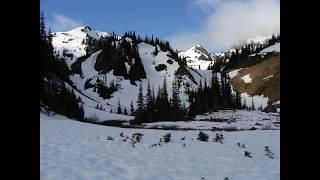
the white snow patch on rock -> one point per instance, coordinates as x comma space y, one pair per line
247, 78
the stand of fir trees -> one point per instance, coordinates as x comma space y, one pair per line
54, 94
215, 97
154, 108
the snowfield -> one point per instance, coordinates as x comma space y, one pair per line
273, 48
258, 101
226, 120
79, 151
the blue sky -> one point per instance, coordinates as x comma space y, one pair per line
215, 24
162, 18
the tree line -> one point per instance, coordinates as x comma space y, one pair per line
54, 94
160, 107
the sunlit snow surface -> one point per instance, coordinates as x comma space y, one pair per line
79, 151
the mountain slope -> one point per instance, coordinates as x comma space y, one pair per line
72, 44
88, 74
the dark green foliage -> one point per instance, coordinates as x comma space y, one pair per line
42, 25
212, 98
159, 108
139, 113
87, 84
106, 91
156, 51
252, 104
268, 152
218, 138
166, 138
136, 138
131, 109
243, 59
169, 61
53, 74
203, 136
109, 138
119, 107
76, 66
160, 67
114, 58
238, 104
248, 154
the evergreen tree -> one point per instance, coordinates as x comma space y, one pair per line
156, 51
125, 112
119, 107
177, 112
139, 114
252, 106
238, 104
42, 25
149, 98
149, 104
131, 109
140, 103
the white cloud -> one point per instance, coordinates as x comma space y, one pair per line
231, 21
60, 22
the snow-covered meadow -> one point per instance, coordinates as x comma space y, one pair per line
228, 120
74, 150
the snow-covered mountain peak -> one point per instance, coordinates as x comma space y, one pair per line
72, 44
197, 57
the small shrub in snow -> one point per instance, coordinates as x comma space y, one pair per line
136, 138
184, 145
166, 138
121, 134
218, 138
241, 145
268, 152
248, 154
109, 138
226, 178
182, 139
153, 145
203, 136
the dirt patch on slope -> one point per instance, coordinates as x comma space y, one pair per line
265, 79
